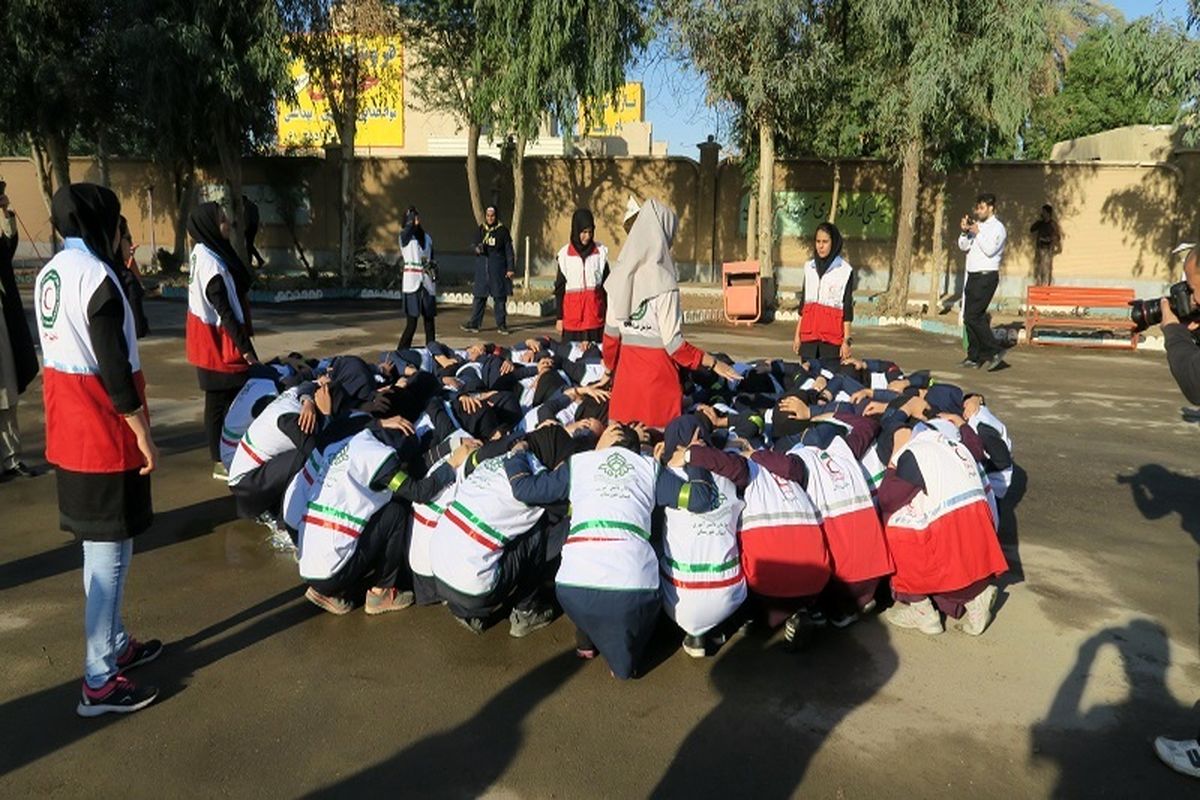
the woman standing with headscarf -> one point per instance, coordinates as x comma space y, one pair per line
579, 284
493, 272
97, 433
643, 338
827, 303
218, 321
418, 283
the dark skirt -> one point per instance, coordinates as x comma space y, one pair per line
104, 506
620, 623
212, 381
586, 335
420, 304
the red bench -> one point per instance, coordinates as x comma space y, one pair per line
1040, 298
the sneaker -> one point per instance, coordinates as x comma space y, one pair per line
798, 630
502, 331
20, 470
219, 472
922, 616
843, 618
1181, 755
473, 624
585, 653
334, 605
996, 362
391, 600
468, 328
522, 623
119, 696
138, 653
979, 612
867, 608
695, 646
967, 363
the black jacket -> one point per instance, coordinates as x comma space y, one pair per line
14, 316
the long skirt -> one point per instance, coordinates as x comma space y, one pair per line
619, 622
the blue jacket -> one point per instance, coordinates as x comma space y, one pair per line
494, 247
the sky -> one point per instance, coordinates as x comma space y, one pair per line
675, 94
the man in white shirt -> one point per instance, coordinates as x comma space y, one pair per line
982, 239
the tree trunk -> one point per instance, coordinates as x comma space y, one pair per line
518, 175
766, 197
102, 158
837, 191
938, 266
184, 186
473, 134
752, 223
60, 163
896, 299
41, 167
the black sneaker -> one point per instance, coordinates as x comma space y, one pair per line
502, 331
468, 329
996, 362
20, 470
695, 646
138, 653
798, 630
522, 623
119, 696
473, 624
967, 363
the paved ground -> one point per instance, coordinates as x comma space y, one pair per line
1093, 651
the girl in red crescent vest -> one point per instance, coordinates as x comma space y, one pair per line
579, 284
218, 321
827, 302
97, 433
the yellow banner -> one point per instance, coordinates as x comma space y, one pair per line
309, 123
629, 106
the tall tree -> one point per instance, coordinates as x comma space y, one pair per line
348, 47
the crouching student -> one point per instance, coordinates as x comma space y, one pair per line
488, 551
608, 582
940, 531
702, 578
350, 517
997, 444
263, 384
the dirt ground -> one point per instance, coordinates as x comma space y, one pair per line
1093, 651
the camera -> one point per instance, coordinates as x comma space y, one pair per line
1145, 313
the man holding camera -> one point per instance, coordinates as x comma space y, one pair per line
982, 239
1183, 357
18, 359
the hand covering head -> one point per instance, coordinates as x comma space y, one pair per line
645, 268
835, 248
204, 225
681, 430
945, 398
582, 220
88, 212
351, 382
412, 228
551, 445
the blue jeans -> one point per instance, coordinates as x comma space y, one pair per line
499, 304
105, 565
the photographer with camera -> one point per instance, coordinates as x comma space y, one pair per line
18, 359
1180, 318
982, 239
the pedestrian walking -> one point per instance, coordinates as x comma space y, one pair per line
982, 239
419, 280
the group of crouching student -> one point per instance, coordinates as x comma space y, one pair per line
490, 480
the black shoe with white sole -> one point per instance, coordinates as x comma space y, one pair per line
119, 696
138, 653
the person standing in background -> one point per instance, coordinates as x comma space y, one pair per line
250, 211
827, 303
493, 272
579, 284
18, 359
982, 239
218, 321
418, 281
1047, 241
97, 433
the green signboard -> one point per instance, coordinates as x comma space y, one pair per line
861, 215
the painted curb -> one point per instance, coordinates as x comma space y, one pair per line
520, 308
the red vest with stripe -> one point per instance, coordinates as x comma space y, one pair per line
783, 548
209, 346
824, 296
584, 300
84, 433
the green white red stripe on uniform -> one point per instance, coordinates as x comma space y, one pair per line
578, 533
335, 520
702, 575
248, 445
470, 524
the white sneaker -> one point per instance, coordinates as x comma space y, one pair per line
922, 616
979, 612
1181, 755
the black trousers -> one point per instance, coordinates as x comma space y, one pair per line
824, 352
216, 406
410, 328
379, 555
522, 575
499, 305
981, 287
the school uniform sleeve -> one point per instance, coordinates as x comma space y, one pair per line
510, 257
670, 323
560, 287
999, 457
216, 294
848, 298
541, 489
415, 490
863, 431
728, 465
900, 485
972, 442
554, 404
106, 329
785, 466
697, 494
1183, 357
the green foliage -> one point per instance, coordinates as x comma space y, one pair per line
1141, 73
443, 49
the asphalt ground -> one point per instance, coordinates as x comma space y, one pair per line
1093, 651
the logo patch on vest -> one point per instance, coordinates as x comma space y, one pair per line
50, 298
615, 466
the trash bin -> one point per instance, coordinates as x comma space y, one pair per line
741, 286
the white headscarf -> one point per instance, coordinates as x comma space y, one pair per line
644, 268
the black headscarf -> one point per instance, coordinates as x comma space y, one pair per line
89, 212
582, 219
679, 432
204, 225
835, 248
551, 445
351, 383
412, 229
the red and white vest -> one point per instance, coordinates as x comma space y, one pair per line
702, 580
84, 433
783, 548
612, 500
263, 440
822, 316
1000, 481
209, 346
584, 299
425, 517
330, 513
414, 258
241, 414
839, 489
475, 527
945, 538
